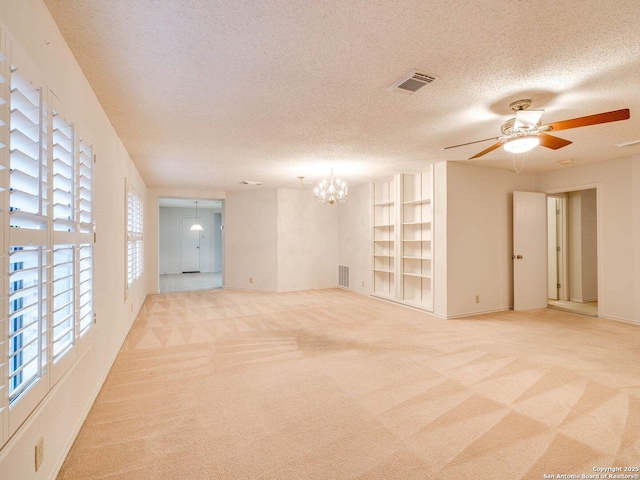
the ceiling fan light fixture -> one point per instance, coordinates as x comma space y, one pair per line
521, 144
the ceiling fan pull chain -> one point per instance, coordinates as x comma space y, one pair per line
513, 156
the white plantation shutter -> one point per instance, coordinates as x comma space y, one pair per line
5, 93
85, 289
85, 187
29, 159
63, 300
28, 241
134, 237
47, 242
27, 318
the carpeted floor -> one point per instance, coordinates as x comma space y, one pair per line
327, 384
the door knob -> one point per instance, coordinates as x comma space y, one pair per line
519, 257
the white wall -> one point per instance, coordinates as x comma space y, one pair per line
634, 257
619, 233
354, 237
251, 236
480, 237
440, 278
307, 241
170, 240
60, 415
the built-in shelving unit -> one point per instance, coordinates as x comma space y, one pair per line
402, 215
384, 238
417, 236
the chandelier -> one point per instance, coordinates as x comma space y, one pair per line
331, 190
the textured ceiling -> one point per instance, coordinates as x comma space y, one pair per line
205, 94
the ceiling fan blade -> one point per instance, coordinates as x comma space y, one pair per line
527, 118
552, 142
490, 149
606, 117
471, 143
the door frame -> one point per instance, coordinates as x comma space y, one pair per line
563, 291
599, 233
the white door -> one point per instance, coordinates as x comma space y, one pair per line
190, 246
529, 250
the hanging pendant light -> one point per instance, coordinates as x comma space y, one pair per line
196, 226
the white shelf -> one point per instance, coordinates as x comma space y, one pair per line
417, 202
416, 240
419, 275
416, 223
383, 271
384, 240
378, 255
384, 225
416, 258
383, 204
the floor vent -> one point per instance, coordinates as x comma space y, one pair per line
412, 82
343, 276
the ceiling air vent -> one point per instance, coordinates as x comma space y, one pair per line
412, 81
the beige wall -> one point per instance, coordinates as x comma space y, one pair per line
251, 236
354, 237
480, 237
307, 241
60, 415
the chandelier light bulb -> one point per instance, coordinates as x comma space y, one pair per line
331, 190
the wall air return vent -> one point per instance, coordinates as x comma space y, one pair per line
412, 81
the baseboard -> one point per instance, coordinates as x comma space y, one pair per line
366, 294
264, 290
483, 312
622, 320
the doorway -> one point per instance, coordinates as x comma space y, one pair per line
572, 248
190, 260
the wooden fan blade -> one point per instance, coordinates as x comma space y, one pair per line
490, 149
552, 142
471, 143
591, 120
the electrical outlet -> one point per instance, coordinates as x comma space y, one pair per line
39, 453
363, 283
477, 298
131, 307
250, 279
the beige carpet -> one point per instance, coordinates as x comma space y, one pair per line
332, 385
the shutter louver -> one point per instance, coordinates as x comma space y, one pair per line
63, 173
